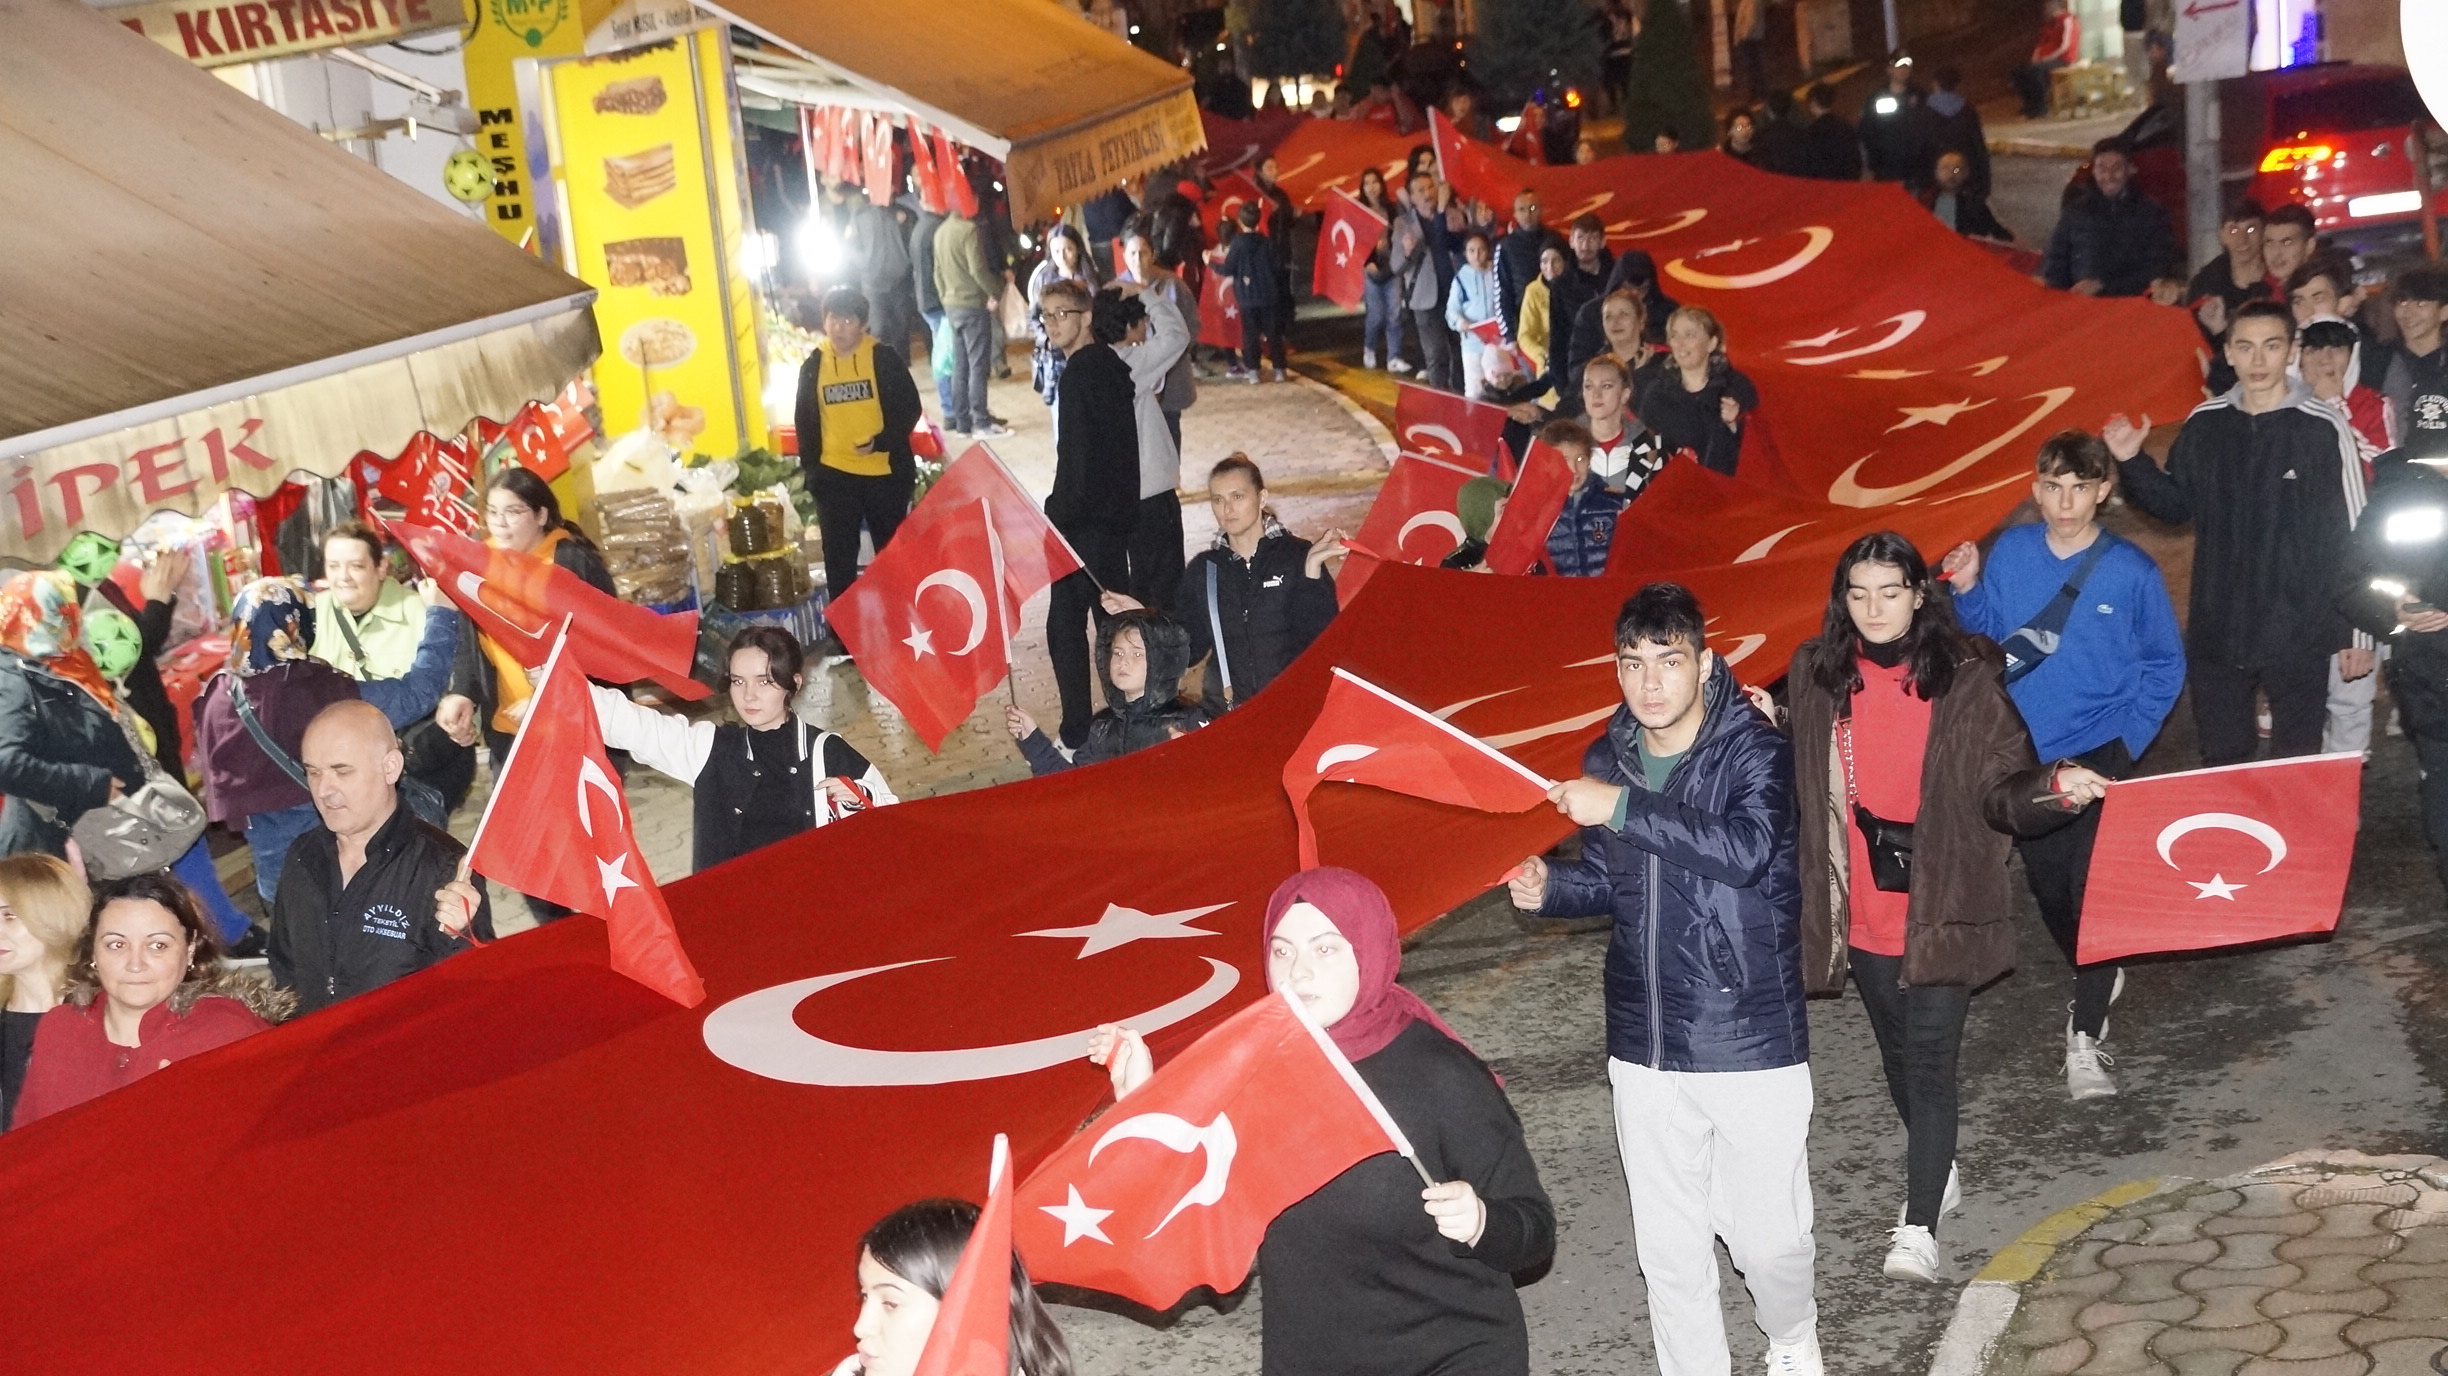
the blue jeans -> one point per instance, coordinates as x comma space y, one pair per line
1381, 324
268, 836
195, 870
973, 337
943, 381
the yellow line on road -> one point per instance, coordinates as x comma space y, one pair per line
2018, 1261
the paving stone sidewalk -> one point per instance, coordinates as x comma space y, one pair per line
2323, 1264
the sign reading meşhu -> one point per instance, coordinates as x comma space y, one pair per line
215, 33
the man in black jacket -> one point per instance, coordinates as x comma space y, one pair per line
2398, 586
2272, 484
2110, 240
1517, 258
1095, 501
372, 894
1584, 279
855, 412
1830, 149
1262, 589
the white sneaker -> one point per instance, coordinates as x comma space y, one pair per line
1912, 1254
1948, 1202
1401, 368
2087, 1066
992, 430
1796, 1359
1368, 358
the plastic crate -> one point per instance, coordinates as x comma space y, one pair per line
716, 624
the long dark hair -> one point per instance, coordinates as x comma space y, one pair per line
1932, 645
922, 1243
536, 494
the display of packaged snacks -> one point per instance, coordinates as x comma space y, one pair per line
637, 96
644, 545
659, 264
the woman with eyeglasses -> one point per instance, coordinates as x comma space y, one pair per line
764, 778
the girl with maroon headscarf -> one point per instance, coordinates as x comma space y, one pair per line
1374, 1273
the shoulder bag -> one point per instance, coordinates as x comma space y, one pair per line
2031, 644
1890, 843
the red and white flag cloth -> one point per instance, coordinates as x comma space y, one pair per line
558, 773
519, 600
952, 176
1518, 544
1346, 238
2222, 857
931, 620
1366, 735
972, 1332
1219, 312
1428, 421
1175, 1186
1225, 197
430, 480
1414, 519
1475, 171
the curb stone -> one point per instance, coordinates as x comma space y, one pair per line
1988, 1303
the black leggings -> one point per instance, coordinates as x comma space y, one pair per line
2057, 865
1920, 1035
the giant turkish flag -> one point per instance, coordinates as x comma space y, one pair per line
1346, 238
2222, 857
982, 548
683, 1189
1366, 735
519, 599
558, 774
1174, 1188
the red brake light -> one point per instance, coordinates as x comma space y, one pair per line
2288, 157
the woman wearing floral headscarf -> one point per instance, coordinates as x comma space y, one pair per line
284, 688
62, 750
1373, 1272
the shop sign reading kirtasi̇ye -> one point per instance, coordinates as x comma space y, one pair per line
215, 33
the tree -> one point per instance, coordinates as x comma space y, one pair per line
1666, 91
1292, 37
1523, 45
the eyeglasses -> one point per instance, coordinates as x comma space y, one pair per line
1059, 314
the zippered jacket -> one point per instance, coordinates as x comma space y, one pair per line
1704, 972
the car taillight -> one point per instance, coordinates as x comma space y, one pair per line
2288, 157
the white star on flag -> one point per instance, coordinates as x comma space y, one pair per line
1934, 415
1120, 926
1078, 1219
615, 875
2218, 887
1819, 341
920, 640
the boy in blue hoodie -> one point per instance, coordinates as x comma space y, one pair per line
2094, 661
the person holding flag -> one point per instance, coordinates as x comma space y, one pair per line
1141, 657
489, 689
1912, 770
906, 1266
762, 779
1376, 1271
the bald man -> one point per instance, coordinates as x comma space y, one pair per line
362, 898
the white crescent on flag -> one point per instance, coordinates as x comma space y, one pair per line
1421, 431
1178, 1134
2269, 836
1343, 754
1818, 237
1442, 520
959, 581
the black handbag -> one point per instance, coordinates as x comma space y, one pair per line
1890, 843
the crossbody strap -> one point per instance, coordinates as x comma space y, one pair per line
263, 738
340, 616
1215, 628
2052, 618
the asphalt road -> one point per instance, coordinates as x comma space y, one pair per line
2226, 1061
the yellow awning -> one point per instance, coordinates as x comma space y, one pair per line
1070, 108
201, 294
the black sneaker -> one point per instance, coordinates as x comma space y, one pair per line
251, 949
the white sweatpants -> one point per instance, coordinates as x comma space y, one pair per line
2350, 711
1709, 1156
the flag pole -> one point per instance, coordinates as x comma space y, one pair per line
1450, 729
502, 770
1359, 1087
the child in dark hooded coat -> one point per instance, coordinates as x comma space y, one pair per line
1144, 709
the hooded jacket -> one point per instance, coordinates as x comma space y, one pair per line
1978, 779
1704, 971
1125, 725
2273, 500
332, 941
1096, 448
60, 748
1269, 606
75, 1059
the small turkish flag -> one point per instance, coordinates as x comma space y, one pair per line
1224, 201
931, 620
1518, 544
1346, 238
1475, 171
952, 176
880, 163
1219, 313
556, 763
1175, 1186
1413, 520
1427, 421
2222, 857
972, 1332
517, 599
1366, 735
922, 170
430, 479
532, 444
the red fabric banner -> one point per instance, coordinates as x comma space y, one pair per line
430, 481
1414, 518
880, 165
1475, 171
1346, 238
922, 170
954, 177
557, 766
2222, 857
518, 599
1518, 544
1225, 197
972, 1332
1427, 421
1366, 735
983, 548
1175, 1186
1219, 313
